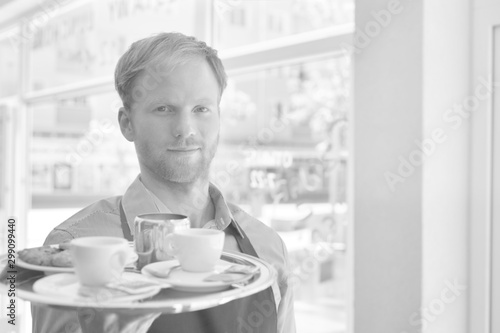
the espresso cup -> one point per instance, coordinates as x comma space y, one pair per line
99, 260
197, 250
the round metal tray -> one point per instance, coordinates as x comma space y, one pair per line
167, 300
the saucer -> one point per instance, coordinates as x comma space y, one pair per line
46, 269
66, 286
190, 281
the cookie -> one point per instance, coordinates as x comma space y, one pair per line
62, 259
41, 256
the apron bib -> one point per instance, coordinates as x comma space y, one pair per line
253, 314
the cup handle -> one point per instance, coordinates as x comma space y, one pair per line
169, 245
118, 261
124, 256
130, 256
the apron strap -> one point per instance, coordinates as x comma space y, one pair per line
124, 224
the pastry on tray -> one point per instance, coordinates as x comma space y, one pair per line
38, 256
62, 259
47, 256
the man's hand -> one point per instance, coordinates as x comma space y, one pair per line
97, 320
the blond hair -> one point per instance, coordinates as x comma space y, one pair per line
159, 55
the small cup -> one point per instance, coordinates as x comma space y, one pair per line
197, 250
99, 260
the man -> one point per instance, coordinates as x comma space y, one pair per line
171, 86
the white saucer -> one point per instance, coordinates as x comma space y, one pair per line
66, 286
46, 269
189, 281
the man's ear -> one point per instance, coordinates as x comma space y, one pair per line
126, 124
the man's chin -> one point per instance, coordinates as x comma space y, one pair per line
186, 175
184, 170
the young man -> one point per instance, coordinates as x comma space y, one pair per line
171, 86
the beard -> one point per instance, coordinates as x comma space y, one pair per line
179, 169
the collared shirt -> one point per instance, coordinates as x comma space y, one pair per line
103, 219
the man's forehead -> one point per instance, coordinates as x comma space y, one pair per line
167, 71
200, 78
166, 65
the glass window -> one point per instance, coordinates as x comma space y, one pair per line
283, 150
9, 67
283, 158
86, 42
78, 155
239, 23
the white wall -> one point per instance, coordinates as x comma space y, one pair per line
387, 119
410, 250
447, 56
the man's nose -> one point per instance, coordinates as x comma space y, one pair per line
184, 126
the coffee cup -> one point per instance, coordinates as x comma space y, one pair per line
99, 260
197, 250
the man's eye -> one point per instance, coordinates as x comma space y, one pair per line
201, 109
161, 109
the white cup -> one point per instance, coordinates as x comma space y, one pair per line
99, 260
197, 250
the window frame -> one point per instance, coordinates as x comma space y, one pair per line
484, 179
495, 218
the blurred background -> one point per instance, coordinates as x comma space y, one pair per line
284, 117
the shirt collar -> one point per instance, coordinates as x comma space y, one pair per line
223, 215
139, 200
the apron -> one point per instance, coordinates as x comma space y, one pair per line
253, 314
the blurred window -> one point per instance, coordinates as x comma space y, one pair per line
86, 40
80, 137
283, 157
78, 155
239, 22
283, 152
9, 65
287, 127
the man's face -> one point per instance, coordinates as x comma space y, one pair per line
175, 126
